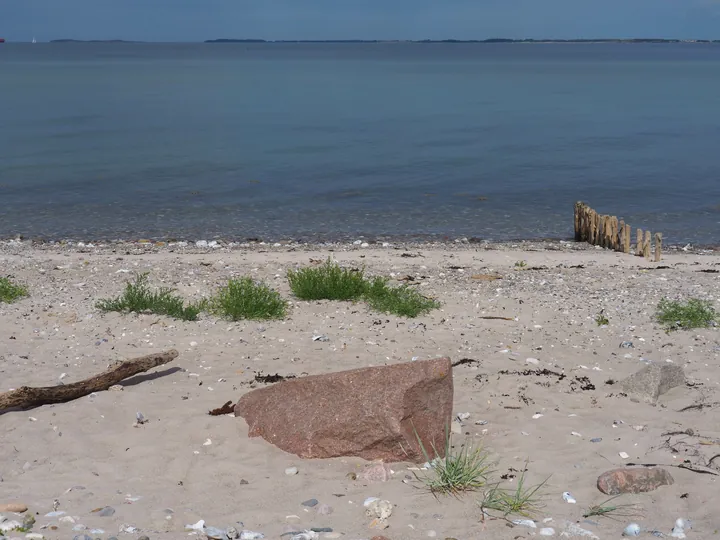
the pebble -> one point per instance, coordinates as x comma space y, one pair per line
632, 530
105, 511
82, 537
214, 533
291, 471
623, 455
596, 439
547, 531
251, 535
533, 361
35, 536
627, 345
432, 534
525, 523
310, 503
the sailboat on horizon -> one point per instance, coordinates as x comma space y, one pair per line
34, 40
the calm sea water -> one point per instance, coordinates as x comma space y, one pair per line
322, 141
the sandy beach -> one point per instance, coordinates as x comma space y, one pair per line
183, 465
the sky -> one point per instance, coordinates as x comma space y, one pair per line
197, 20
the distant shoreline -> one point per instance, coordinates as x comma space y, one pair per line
423, 41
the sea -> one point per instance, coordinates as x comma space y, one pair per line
322, 142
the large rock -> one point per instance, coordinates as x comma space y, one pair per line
619, 481
652, 381
372, 413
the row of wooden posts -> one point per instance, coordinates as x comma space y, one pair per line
611, 233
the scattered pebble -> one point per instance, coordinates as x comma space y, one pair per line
105, 511
633, 529
291, 471
310, 503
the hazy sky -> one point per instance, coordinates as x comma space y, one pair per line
194, 20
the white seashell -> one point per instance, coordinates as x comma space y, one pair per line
632, 530
568, 498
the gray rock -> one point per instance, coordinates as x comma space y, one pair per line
214, 533
652, 381
310, 503
105, 511
627, 345
82, 537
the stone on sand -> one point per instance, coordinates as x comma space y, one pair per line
653, 381
640, 480
372, 413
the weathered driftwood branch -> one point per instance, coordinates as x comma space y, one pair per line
27, 397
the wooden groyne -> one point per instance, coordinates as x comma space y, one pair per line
611, 233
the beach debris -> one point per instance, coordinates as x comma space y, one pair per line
8, 525
294, 415
572, 529
380, 509
27, 397
199, 526
681, 525
139, 419
525, 523
652, 381
633, 480
624, 455
568, 498
232, 533
227, 408
251, 535
633, 529
320, 337
463, 416
305, 535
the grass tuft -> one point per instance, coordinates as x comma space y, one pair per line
403, 301
332, 282
612, 511
246, 299
522, 501
458, 472
10, 291
139, 298
327, 282
601, 319
694, 313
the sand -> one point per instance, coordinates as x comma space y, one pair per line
184, 465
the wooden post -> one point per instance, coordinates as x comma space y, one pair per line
595, 228
639, 244
658, 247
621, 235
627, 232
646, 245
615, 243
578, 213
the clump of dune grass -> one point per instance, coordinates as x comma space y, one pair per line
403, 300
611, 510
11, 291
693, 313
459, 472
138, 297
327, 282
245, 299
524, 500
601, 319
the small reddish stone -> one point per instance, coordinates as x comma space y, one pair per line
619, 481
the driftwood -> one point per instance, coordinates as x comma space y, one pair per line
28, 397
